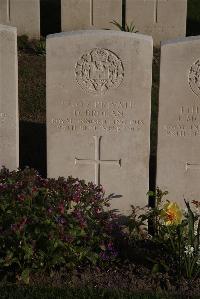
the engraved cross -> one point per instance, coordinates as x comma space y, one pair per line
8, 11
156, 9
192, 166
97, 160
91, 12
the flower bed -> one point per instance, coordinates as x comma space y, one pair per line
48, 223
60, 232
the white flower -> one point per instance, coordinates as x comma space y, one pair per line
197, 212
198, 262
189, 250
167, 236
149, 237
195, 228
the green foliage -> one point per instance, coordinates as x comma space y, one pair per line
180, 240
46, 224
23, 42
136, 227
40, 47
37, 47
127, 28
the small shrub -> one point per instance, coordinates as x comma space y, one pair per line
126, 28
37, 47
178, 232
23, 42
47, 223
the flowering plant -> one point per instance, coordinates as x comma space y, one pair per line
171, 213
48, 223
178, 232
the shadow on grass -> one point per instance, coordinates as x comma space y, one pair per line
32, 146
50, 16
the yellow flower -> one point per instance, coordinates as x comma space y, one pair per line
171, 214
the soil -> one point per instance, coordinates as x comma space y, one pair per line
127, 277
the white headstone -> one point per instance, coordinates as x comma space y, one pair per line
162, 19
85, 14
178, 164
23, 14
9, 131
98, 111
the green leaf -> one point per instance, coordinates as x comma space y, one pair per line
117, 25
190, 223
155, 268
151, 193
198, 234
164, 266
28, 251
25, 276
93, 257
57, 260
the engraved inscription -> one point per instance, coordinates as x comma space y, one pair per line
3, 117
98, 71
99, 117
194, 77
192, 166
186, 124
97, 160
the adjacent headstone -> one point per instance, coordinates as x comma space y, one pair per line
162, 19
9, 131
178, 164
23, 14
85, 14
98, 111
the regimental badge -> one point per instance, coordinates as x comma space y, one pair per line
98, 71
194, 77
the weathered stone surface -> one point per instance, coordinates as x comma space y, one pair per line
23, 14
162, 19
9, 147
75, 14
98, 111
178, 164
87, 14
106, 11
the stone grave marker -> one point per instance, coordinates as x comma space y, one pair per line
98, 111
23, 14
85, 14
178, 160
9, 131
162, 19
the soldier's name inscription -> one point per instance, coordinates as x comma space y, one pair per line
98, 116
187, 123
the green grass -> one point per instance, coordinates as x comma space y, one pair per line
32, 94
20, 292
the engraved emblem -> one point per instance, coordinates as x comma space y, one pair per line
194, 77
98, 71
